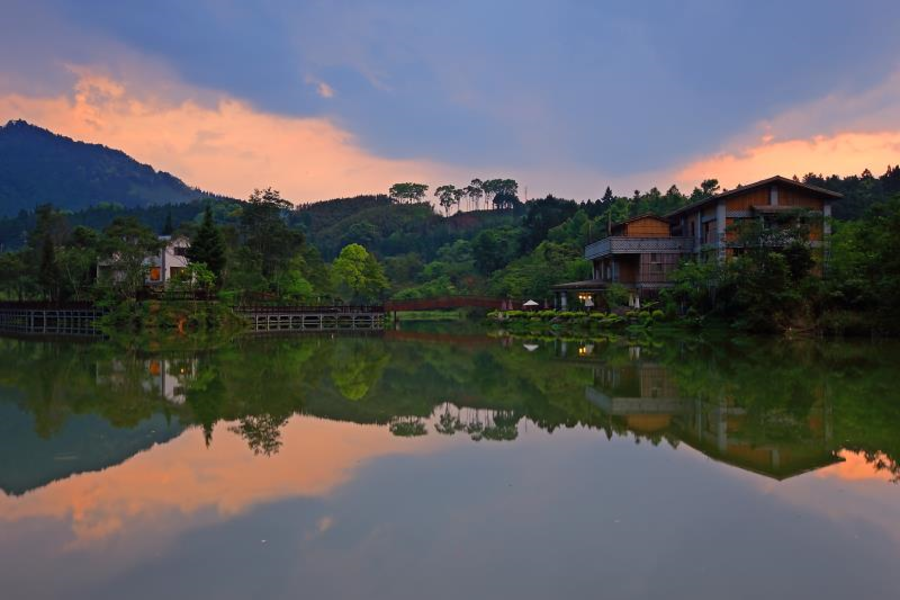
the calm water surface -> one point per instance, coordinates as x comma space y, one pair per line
422, 464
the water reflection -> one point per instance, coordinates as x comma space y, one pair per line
774, 409
109, 460
644, 398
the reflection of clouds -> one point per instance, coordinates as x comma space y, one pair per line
852, 494
184, 477
855, 468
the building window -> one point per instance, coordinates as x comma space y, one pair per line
155, 273
174, 271
180, 251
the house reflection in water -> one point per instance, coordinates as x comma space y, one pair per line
169, 378
157, 377
642, 397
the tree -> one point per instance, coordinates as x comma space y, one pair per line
410, 192
358, 275
15, 278
126, 244
446, 194
607, 195
543, 215
475, 191
708, 188
265, 233
507, 188
208, 247
48, 275
494, 248
458, 195
77, 260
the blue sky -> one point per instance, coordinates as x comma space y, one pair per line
575, 93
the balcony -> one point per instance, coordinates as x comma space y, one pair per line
638, 245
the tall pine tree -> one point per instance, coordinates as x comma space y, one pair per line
207, 247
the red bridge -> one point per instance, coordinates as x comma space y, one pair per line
449, 302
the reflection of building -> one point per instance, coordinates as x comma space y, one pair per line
642, 398
169, 378
158, 377
642, 252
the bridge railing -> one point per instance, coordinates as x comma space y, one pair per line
41, 305
444, 302
299, 308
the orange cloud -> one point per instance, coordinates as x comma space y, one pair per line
187, 478
227, 147
843, 153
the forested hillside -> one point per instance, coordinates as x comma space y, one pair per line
510, 248
38, 166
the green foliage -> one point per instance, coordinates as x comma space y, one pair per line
292, 285
543, 215
207, 245
408, 192
864, 269
196, 277
616, 295
264, 232
124, 246
358, 276
493, 249
531, 276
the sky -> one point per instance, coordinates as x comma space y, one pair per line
324, 99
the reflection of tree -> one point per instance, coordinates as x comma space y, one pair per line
448, 423
783, 392
407, 427
356, 366
262, 432
505, 426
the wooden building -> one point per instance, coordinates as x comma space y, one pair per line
642, 252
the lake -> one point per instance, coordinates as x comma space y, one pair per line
443, 462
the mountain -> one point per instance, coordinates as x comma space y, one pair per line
38, 166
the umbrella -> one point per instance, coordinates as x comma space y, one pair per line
531, 303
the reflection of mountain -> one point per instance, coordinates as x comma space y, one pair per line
777, 410
84, 443
642, 397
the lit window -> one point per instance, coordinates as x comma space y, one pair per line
154, 273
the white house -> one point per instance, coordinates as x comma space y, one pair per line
170, 260
161, 266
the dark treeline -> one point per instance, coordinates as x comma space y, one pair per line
486, 242
235, 249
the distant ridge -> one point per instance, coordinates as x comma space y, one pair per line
38, 166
